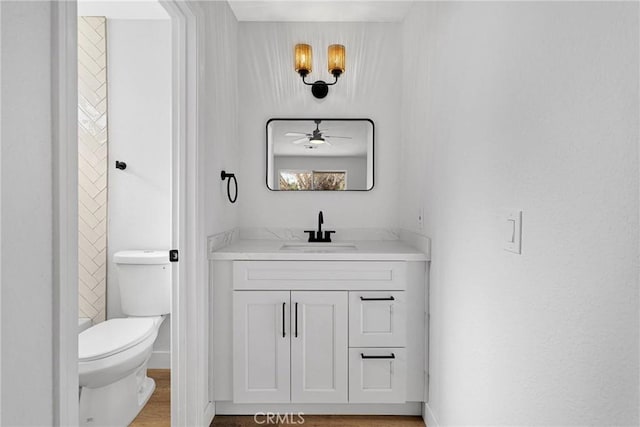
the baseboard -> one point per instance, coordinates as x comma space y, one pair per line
230, 408
160, 360
430, 419
209, 413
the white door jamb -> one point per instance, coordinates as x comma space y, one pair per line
64, 106
190, 405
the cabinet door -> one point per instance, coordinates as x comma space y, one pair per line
377, 319
319, 353
261, 347
377, 375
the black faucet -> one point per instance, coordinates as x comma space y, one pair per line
317, 236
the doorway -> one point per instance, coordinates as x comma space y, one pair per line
124, 200
184, 229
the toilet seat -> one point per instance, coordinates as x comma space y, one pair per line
114, 336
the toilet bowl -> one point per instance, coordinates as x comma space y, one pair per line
112, 368
113, 355
112, 349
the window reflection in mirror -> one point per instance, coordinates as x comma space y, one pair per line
320, 154
312, 180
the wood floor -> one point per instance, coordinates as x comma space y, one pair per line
157, 413
322, 421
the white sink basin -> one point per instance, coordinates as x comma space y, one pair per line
318, 247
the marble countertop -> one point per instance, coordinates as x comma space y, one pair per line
365, 250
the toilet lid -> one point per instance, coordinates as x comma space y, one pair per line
113, 336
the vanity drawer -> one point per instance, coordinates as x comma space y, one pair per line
319, 275
377, 375
377, 319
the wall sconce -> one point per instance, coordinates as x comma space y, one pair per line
303, 64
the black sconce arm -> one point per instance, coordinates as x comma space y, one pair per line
320, 81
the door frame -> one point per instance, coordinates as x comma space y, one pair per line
190, 403
64, 107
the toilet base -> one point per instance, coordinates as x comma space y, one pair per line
116, 404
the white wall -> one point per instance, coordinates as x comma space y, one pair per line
221, 105
270, 88
531, 106
139, 96
26, 212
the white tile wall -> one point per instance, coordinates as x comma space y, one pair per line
92, 166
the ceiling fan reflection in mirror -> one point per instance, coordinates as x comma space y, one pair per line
316, 137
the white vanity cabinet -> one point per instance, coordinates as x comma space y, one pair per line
261, 346
319, 338
377, 375
299, 344
318, 332
290, 347
377, 319
377, 340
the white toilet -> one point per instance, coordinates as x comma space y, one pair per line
113, 355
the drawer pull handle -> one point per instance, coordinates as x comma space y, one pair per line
377, 299
283, 317
392, 356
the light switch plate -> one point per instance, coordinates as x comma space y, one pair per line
513, 237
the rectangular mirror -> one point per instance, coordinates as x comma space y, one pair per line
320, 154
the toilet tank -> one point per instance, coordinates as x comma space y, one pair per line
144, 278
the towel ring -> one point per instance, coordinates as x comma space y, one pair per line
230, 176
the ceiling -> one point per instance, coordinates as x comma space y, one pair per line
263, 10
320, 11
357, 131
119, 9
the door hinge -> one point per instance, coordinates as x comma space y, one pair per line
174, 255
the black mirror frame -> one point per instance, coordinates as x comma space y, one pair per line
373, 149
